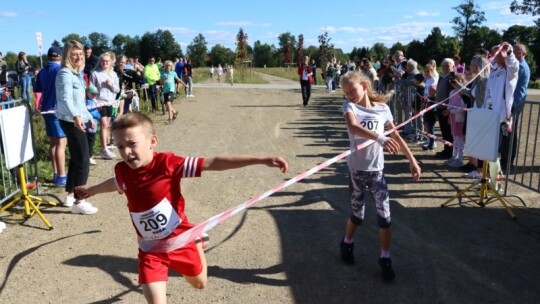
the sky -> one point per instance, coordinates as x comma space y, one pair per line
352, 23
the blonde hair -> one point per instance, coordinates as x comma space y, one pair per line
168, 62
66, 59
132, 120
112, 56
358, 77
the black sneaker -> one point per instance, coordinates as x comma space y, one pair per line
467, 168
386, 267
347, 252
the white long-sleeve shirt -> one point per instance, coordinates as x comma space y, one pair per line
500, 87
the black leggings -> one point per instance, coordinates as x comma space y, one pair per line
79, 162
306, 90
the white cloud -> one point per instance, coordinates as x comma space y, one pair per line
242, 24
427, 14
406, 32
495, 5
180, 31
8, 14
224, 38
344, 29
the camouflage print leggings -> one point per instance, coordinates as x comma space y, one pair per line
379, 189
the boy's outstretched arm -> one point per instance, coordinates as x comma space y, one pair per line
87, 191
221, 163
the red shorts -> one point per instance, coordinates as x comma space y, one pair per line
154, 266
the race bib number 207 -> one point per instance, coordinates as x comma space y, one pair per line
157, 222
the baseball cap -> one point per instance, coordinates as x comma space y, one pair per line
92, 89
54, 52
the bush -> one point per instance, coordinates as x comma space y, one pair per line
534, 85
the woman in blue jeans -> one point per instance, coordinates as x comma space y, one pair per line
73, 116
23, 70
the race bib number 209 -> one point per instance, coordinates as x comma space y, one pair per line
157, 222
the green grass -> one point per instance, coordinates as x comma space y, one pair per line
241, 75
246, 75
289, 73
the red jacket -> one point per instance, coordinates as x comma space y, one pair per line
310, 74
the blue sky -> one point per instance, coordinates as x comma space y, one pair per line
349, 23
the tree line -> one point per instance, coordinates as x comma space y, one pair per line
470, 35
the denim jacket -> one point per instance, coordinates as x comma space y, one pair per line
71, 96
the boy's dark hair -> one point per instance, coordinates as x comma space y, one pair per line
132, 120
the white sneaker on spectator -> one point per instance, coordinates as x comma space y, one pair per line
105, 153
473, 174
83, 207
69, 201
92, 161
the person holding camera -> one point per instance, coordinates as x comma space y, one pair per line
501, 84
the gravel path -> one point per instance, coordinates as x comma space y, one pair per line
285, 248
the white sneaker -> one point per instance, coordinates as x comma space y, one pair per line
83, 207
473, 174
92, 161
105, 153
69, 201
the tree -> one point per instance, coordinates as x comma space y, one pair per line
197, 50
417, 51
119, 43
99, 42
357, 54
378, 51
300, 50
263, 54
312, 51
398, 46
72, 36
434, 44
469, 18
160, 44
526, 7
520, 34
485, 38
286, 42
10, 59
325, 50
220, 55
241, 46
56, 43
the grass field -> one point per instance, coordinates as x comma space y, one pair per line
289, 73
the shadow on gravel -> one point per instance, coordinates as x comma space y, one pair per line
464, 254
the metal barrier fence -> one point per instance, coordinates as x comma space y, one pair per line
9, 186
404, 103
524, 171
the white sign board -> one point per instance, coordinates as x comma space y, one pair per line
16, 136
39, 41
483, 129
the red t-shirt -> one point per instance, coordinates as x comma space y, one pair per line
154, 194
